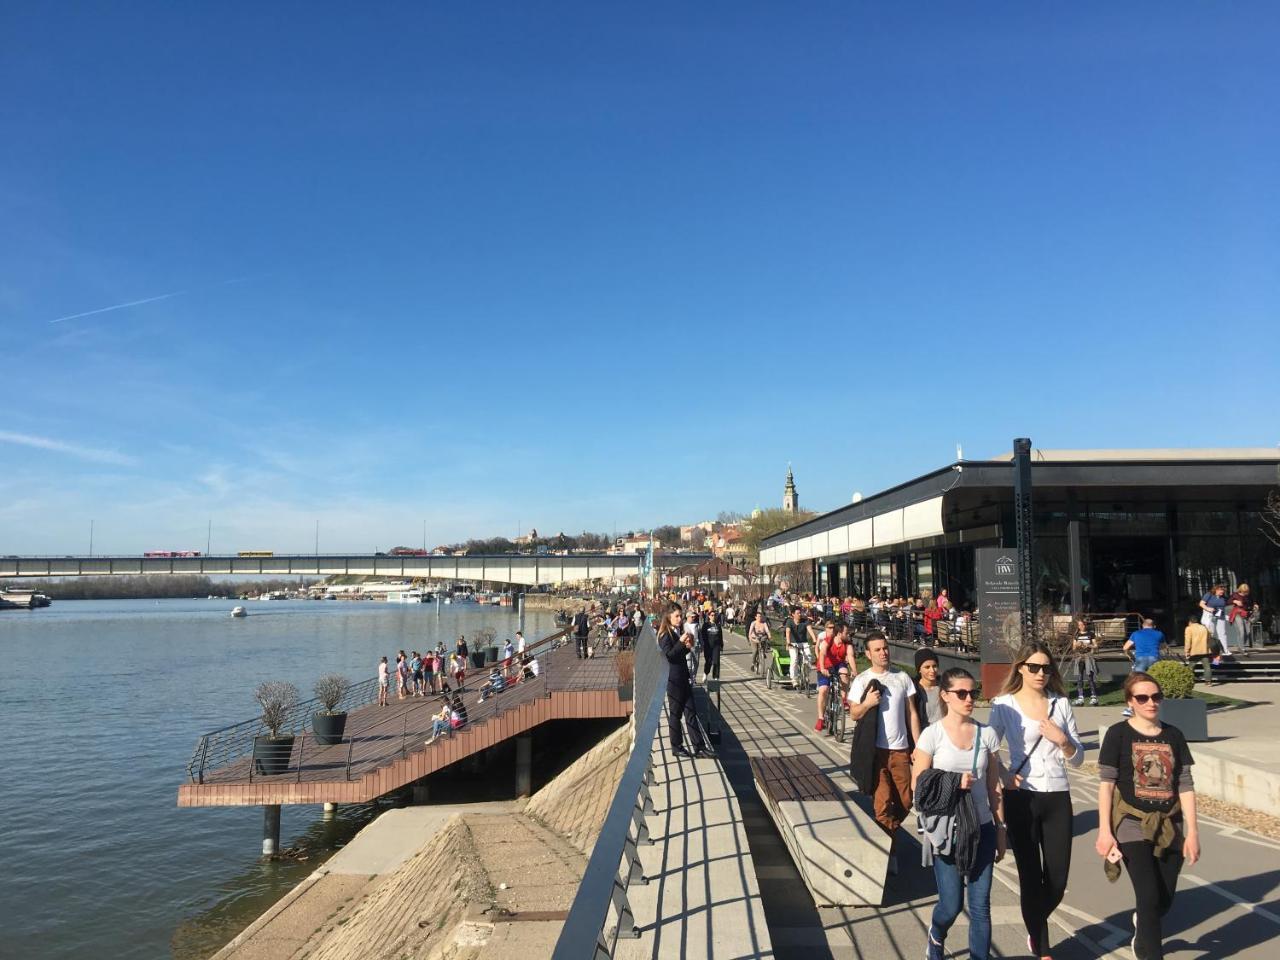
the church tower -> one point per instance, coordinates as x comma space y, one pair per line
790, 503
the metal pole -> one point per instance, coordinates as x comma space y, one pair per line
91, 538
1025, 535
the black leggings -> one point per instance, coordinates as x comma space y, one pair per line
1039, 827
712, 660
1154, 883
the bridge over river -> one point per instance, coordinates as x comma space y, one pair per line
518, 568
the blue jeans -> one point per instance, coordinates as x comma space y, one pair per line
951, 896
1143, 664
438, 727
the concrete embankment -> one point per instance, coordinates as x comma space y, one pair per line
485, 881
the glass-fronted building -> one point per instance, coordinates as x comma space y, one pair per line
1116, 531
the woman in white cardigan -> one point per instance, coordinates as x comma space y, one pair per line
1033, 713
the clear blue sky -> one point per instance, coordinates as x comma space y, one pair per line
593, 265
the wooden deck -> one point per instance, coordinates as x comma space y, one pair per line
384, 747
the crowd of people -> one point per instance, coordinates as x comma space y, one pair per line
916, 746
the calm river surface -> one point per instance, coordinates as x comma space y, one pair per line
101, 704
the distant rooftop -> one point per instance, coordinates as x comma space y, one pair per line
1156, 453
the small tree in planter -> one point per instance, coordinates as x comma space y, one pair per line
625, 662
271, 753
330, 723
1180, 708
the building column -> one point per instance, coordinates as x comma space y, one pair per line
270, 829
524, 765
1075, 572
421, 793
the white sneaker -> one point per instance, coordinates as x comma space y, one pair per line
1093, 701
1078, 702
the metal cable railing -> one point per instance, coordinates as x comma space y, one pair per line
223, 747
601, 913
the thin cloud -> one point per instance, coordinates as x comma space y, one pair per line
119, 306
163, 296
70, 449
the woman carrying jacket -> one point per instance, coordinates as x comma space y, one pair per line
1034, 715
960, 745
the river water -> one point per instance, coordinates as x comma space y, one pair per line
101, 704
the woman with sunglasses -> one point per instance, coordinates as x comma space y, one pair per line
1034, 715
1146, 809
959, 744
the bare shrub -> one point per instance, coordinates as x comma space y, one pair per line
331, 689
276, 698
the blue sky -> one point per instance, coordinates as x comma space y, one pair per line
591, 265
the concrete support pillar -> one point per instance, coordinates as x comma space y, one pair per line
524, 765
329, 810
421, 793
270, 829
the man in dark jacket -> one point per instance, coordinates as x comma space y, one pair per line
675, 647
581, 630
711, 637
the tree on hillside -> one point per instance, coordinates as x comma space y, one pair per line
668, 535
770, 523
730, 516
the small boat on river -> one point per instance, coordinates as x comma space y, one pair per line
239, 612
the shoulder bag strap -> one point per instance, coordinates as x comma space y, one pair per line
1027, 758
977, 743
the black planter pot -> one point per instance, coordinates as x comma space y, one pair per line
271, 754
328, 727
477, 659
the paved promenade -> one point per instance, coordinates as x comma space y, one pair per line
1228, 904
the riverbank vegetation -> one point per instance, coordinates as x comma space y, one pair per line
160, 586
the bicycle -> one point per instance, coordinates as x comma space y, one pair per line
835, 716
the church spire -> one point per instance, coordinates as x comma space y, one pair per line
790, 501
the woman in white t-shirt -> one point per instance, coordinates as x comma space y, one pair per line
1034, 715
959, 744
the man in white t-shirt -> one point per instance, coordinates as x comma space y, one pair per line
897, 727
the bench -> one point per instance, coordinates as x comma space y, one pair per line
839, 849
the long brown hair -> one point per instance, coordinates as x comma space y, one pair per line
665, 626
1013, 682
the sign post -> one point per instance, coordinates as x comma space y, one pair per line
999, 613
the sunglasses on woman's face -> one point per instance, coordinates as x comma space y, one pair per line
1035, 668
1142, 698
963, 694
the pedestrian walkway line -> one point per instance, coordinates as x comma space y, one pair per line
1234, 898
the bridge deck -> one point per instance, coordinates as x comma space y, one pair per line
384, 747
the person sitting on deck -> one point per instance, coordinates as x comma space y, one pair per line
458, 713
440, 723
496, 684
528, 667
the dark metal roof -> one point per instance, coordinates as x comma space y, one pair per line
1232, 478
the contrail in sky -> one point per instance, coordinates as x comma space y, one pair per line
137, 303
119, 306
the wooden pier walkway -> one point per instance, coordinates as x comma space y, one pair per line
384, 747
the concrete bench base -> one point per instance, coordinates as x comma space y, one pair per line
839, 849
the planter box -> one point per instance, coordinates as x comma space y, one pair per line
1189, 715
271, 756
328, 727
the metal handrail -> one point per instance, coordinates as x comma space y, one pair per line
614, 863
227, 744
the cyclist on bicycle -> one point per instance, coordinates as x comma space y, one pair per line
758, 634
835, 655
798, 637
